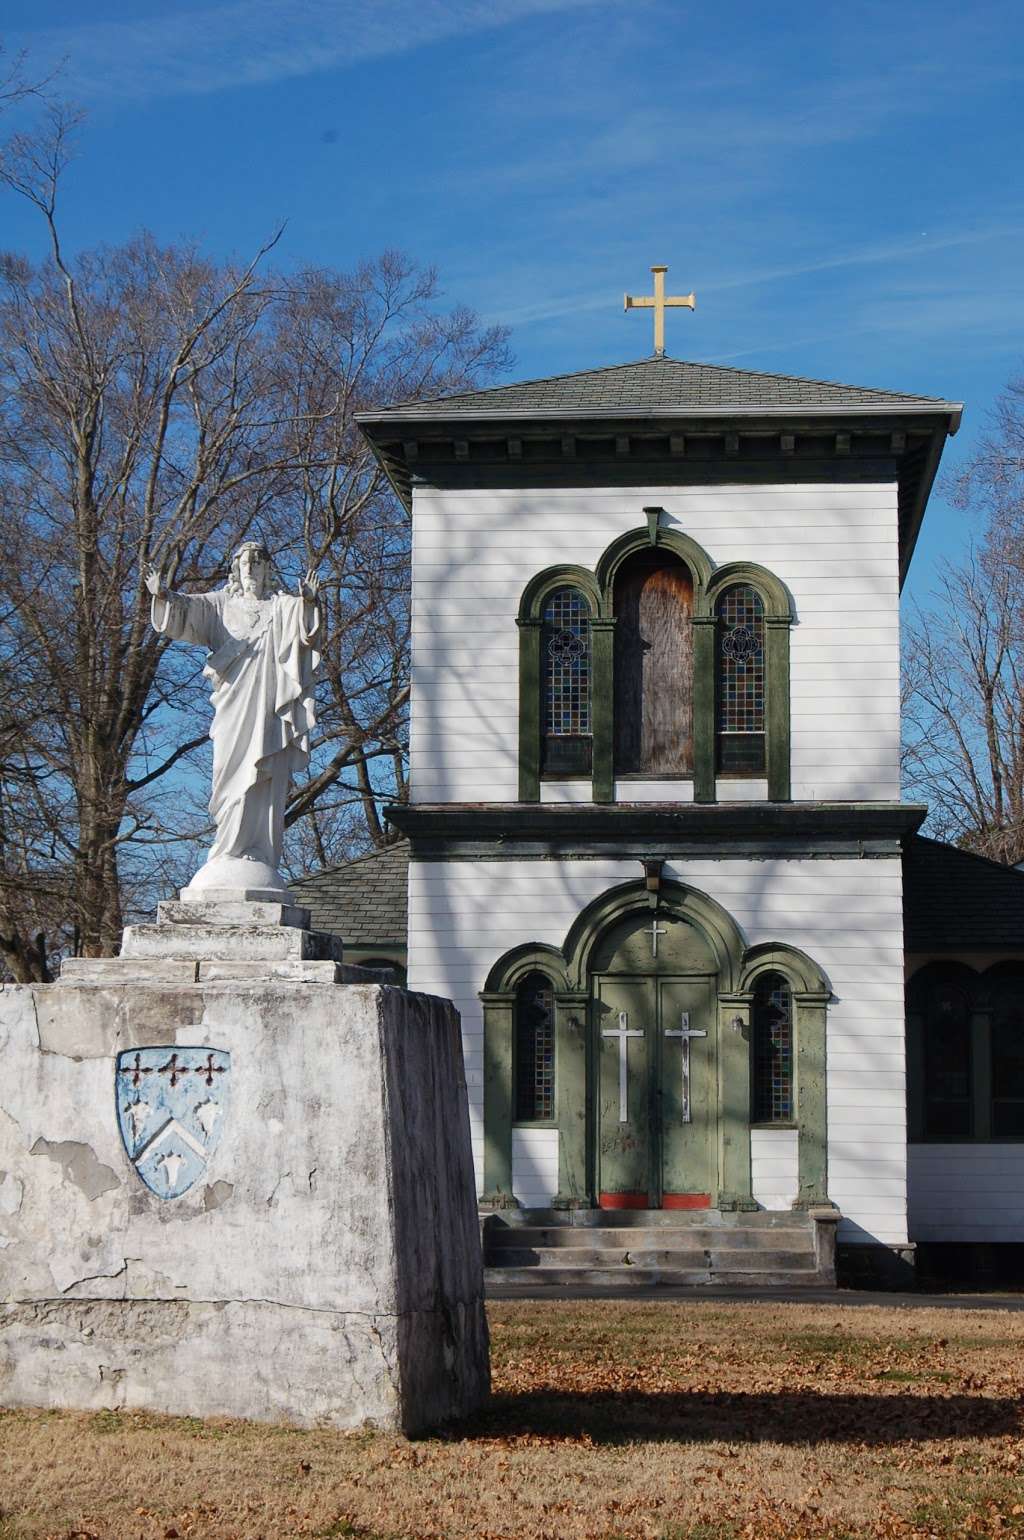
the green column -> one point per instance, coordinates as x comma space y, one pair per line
499, 1024
602, 707
777, 708
811, 1008
571, 1100
734, 1101
529, 710
704, 708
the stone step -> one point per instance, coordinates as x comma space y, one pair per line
103, 972
231, 912
229, 943
641, 1277
615, 1219
679, 1237
690, 1259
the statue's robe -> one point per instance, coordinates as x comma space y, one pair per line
261, 666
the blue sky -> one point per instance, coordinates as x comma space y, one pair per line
840, 184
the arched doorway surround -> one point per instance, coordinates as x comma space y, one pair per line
654, 1109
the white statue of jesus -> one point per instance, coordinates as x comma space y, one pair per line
261, 663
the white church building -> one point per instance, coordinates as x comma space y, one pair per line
657, 847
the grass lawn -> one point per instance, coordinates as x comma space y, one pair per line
711, 1420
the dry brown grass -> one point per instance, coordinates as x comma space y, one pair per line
723, 1422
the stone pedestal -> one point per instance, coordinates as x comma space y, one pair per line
323, 1264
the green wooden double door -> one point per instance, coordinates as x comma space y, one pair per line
655, 1070
656, 1091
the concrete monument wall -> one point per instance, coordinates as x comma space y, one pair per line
323, 1265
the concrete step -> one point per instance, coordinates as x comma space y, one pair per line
102, 972
234, 912
641, 1277
692, 1259
229, 943
678, 1237
631, 1219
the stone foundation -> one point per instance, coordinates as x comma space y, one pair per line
324, 1268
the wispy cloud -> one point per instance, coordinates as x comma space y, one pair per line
878, 255
882, 253
254, 42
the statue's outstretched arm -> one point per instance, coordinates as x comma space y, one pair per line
184, 617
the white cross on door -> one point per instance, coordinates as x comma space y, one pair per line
655, 931
684, 1032
623, 1033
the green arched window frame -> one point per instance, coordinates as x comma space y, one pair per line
532, 607
810, 993
709, 584
777, 618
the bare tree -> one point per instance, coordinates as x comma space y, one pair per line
158, 406
16, 83
963, 680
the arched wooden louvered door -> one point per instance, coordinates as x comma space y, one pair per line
654, 1065
653, 666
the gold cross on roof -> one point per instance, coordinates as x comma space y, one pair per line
658, 302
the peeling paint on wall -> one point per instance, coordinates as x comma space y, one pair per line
79, 1165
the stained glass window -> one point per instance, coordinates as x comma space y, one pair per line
773, 1050
534, 1050
740, 699
565, 682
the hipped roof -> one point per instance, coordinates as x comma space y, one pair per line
665, 387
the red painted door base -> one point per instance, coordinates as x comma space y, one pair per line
668, 1200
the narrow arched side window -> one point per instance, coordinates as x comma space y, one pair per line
773, 1050
566, 728
1008, 1060
534, 1050
740, 691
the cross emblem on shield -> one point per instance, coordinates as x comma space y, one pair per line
171, 1105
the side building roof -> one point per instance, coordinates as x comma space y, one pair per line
954, 901
365, 901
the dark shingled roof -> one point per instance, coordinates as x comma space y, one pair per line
954, 901
667, 386
365, 901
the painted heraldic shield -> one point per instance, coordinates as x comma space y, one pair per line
171, 1105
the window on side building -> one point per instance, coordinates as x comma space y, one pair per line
1008, 1060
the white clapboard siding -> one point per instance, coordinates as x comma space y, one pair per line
834, 547
653, 791
565, 791
773, 1166
845, 914
966, 1192
535, 1166
736, 790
